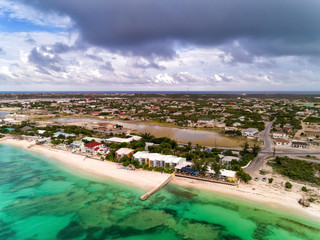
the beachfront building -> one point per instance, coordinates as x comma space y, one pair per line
89, 148
250, 132
124, 152
228, 175
157, 160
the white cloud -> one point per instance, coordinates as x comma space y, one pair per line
221, 77
165, 79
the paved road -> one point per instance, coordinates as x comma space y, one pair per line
257, 163
266, 136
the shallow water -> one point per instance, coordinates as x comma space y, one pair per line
38, 200
205, 138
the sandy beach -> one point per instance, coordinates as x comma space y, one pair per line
271, 194
139, 178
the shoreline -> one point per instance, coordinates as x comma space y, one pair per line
146, 180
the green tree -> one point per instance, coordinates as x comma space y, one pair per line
147, 136
288, 185
255, 149
201, 165
216, 167
245, 149
243, 175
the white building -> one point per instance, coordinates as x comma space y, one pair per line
124, 152
250, 132
157, 160
279, 135
227, 174
123, 140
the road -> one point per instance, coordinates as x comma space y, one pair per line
266, 136
266, 151
257, 163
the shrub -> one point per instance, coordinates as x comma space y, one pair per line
262, 172
288, 185
243, 175
270, 180
304, 189
311, 199
126, 163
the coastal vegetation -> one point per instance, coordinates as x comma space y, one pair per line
288, 185
296, 169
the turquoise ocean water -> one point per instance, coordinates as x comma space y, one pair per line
39, 200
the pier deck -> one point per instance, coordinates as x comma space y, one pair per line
155, 189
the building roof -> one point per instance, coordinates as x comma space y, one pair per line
182, 164
230, 158
299, 143
123, 140
250, 130
125, 151
281, 140
92, 144
227, 173
119, 140
159, 157
26, 128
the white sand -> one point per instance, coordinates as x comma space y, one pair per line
271, 194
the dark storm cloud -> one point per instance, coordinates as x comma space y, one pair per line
149, 27
107, 66
45, 60
95, 58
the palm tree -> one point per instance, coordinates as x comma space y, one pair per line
147, 136
216, 167
245, 148
256, 149
201, 165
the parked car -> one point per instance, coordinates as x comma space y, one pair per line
264, 179
256, 178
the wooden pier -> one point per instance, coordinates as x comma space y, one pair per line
155, 189
204, 179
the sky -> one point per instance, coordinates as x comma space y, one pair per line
159, 45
